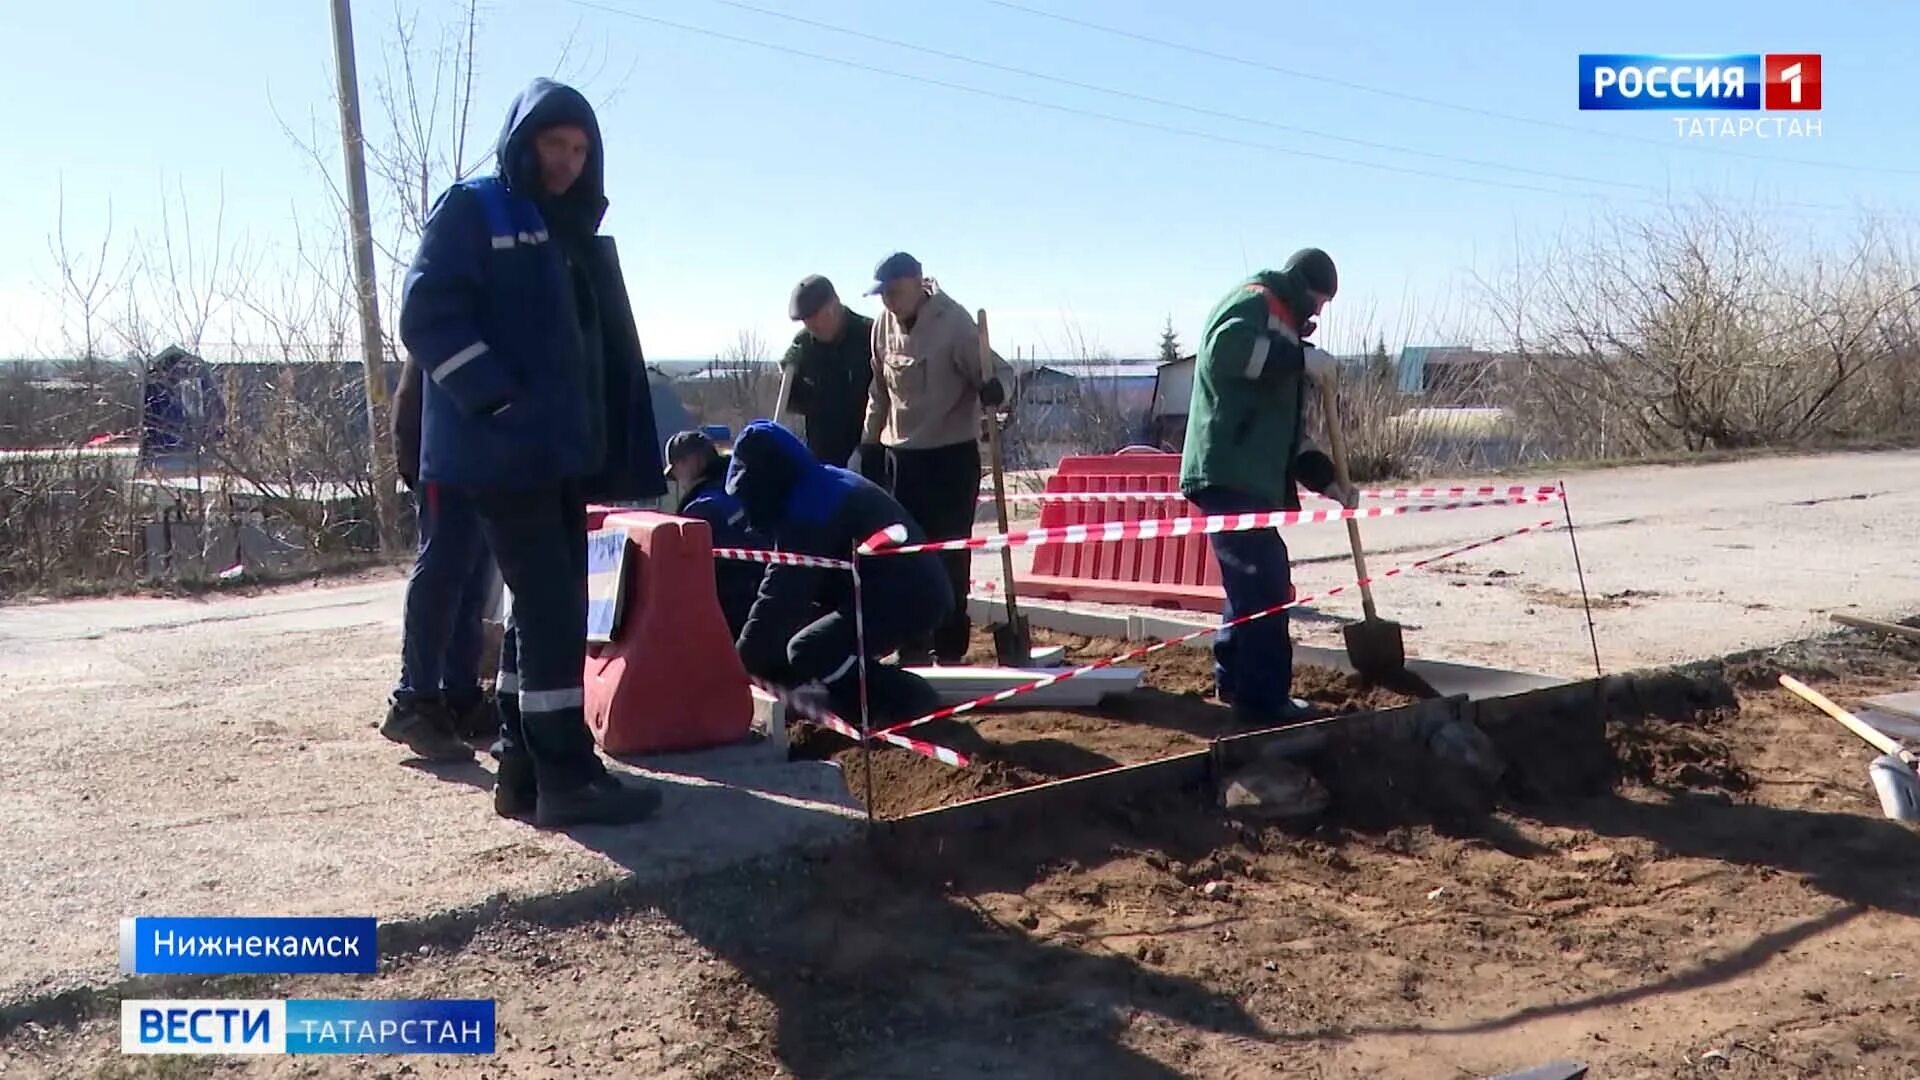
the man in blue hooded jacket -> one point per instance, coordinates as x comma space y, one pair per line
514, 310
800, 631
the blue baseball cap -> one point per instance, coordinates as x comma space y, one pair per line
891, 269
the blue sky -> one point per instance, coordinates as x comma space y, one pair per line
734, 169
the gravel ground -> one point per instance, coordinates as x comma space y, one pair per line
217, 756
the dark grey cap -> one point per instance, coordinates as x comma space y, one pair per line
687, 444
809, 296
891, 269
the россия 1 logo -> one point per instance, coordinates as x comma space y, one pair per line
1734, 82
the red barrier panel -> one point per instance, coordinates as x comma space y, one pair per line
1164, 572
670, 679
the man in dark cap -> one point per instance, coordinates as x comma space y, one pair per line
923, 424
514, 310
826, 369
699, 471
1247, 450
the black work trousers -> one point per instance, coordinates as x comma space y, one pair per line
940, 488
539, 539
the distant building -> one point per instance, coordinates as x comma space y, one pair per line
1172, 397
1081, 407
1449, 374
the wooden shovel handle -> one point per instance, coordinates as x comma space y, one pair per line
1895, 629
1875, 738
1337, 442
997, 459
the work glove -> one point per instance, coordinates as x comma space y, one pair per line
1314, 469
992, 394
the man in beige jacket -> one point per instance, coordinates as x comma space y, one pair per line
923, 430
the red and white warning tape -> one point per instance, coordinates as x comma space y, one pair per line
781, 558
841, 727
882, 543
1514, 491
1043, 683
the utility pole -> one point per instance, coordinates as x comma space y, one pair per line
360, 222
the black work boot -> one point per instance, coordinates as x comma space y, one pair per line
425, 727
607, 799
515, 793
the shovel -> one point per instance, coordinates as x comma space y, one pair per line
1375, 646
1012, 640
1895, 773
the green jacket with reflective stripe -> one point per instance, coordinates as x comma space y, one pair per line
1249, 390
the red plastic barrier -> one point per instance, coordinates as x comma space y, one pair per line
670, 679
1164, 572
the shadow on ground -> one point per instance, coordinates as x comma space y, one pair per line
871, 964
879, 966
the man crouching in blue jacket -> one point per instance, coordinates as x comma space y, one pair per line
800, 631
501, 311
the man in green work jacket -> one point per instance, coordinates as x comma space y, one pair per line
1246, 450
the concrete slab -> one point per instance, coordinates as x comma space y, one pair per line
1905, 704
770, 719
1899, 727
1048, 656
958, 684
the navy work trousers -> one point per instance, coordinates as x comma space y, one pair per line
539, 538
447, 591
1252, 663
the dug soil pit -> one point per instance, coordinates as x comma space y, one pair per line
1173, 712
1728, 903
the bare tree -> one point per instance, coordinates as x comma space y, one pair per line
1700, 329
86, 288
741, 384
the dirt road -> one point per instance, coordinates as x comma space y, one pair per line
1682, 563
218, 756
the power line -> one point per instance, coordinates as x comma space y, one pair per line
1401, 95
1169, 104
1096, 115
1136, 122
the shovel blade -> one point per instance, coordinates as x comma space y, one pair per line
1377, 649
1898, 787
1013, 644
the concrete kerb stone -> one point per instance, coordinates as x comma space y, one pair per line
1447, 677
1105, 788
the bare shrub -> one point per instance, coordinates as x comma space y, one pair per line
1706, 329
63, 518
